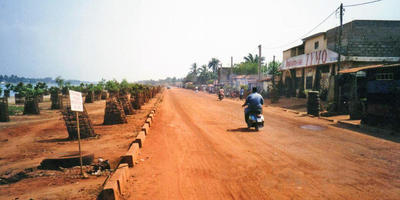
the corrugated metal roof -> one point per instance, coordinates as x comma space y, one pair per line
245, 76
356, 69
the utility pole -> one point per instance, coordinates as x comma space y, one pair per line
231, 72
259, 62
273, 73
337, 91
273, 60
340, 35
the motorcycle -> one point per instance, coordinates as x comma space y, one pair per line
256, 120
220, 96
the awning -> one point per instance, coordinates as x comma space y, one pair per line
356, 69
265, 79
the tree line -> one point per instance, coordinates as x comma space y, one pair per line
16, 79
41, 88
208, 73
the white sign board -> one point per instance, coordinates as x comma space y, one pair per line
314, 58
76, 101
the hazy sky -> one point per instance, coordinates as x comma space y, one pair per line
149, 39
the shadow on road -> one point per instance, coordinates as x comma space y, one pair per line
55, 140
245, 129
379, 133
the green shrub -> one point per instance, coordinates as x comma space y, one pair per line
15, 110
274, 94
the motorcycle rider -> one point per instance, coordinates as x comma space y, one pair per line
221, 93
254, 103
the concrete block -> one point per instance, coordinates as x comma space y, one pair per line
110, 191
148, 121
146, 128
131, 156
140, 139
120, 177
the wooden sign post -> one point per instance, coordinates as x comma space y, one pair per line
77, 106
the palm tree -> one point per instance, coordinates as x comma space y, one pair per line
194, 69
253, 59
213, 64
203, 69
204, 75
249, 58
8, 89
273, 69
59, 81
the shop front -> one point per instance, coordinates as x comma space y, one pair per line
310, 71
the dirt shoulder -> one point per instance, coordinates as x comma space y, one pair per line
27, 140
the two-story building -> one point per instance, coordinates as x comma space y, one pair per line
313, 65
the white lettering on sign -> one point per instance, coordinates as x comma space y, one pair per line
76, 101
314, 58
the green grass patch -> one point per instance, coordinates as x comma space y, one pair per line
15, 110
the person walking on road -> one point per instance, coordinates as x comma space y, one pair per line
241, 93
254, 104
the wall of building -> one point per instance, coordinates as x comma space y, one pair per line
224, 74
367, 38
309, 45
294, 51
286, 54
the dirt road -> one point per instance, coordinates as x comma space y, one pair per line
199, 148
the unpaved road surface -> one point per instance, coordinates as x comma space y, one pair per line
199, 148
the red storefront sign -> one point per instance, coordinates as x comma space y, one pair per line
314, 58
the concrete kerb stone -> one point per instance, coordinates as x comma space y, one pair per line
140, 138
327, 119
121, 176
110, 191
131, 156
323, 118
146, 128
116, 185
148, 121
349, 124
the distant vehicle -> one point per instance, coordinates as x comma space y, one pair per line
221, 96
256, 120
168, 87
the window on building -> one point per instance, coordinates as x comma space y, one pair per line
293, 52
316, 45
384, 76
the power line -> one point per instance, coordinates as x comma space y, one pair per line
360, 4
303, 36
